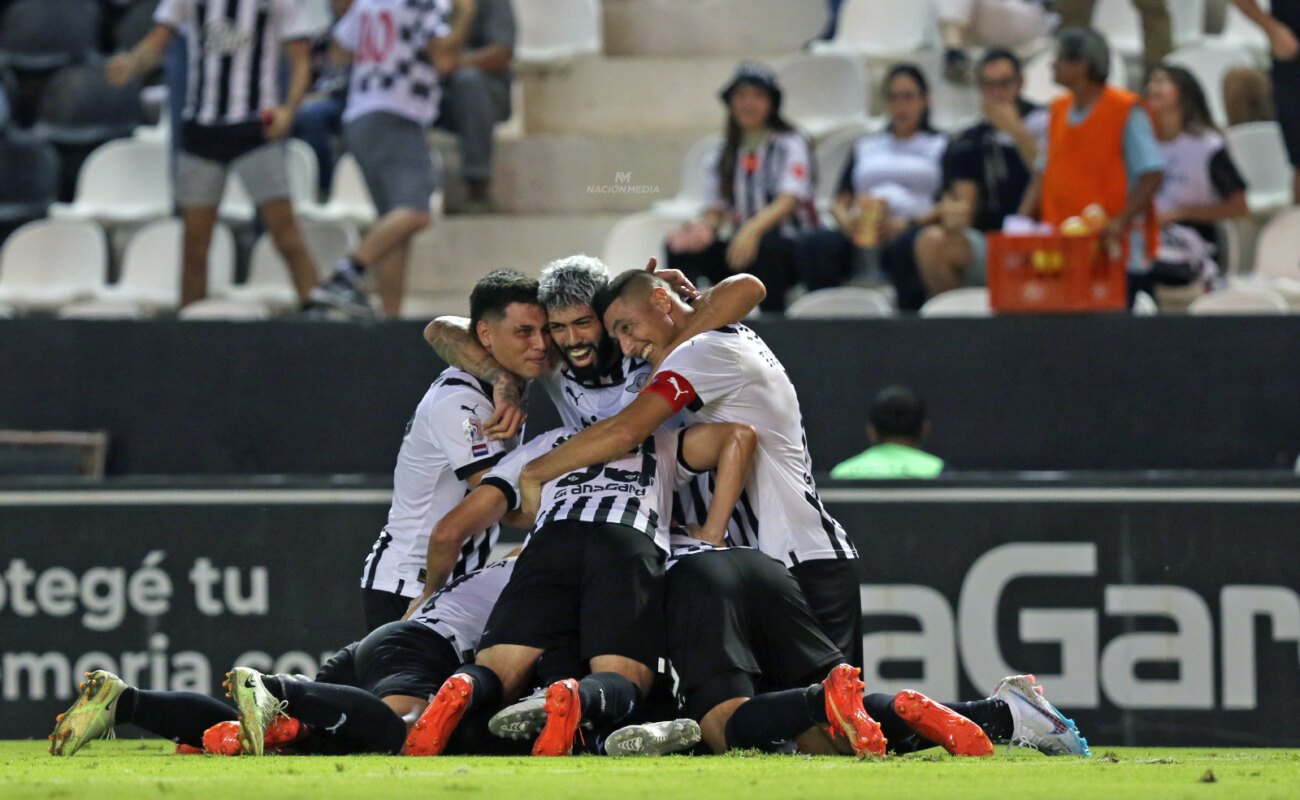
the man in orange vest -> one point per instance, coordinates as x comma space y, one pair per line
1100, 149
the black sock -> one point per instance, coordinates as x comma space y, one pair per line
766, 721
902, 739
350, 715
179, 716
607, 698
488, 694
991, 714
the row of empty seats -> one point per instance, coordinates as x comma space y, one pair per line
62, 266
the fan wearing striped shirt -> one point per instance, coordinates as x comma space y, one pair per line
591, 572
235, 118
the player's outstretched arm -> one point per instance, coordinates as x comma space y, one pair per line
481, 508
602, 442
729, 449
727, 303
450, 338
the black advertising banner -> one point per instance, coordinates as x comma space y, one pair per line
1156, 616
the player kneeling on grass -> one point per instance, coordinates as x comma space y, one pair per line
591, 573
363, 699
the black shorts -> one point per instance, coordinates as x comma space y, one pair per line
598, 584
382, 608
1286, 86
400, 658
833, 589
738, 625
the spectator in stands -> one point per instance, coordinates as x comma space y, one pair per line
1100, 149
989, 23
1247, 95
233, 119
758, 193
320, 119
887, 193
1201, 184
392, 98
897, 430
1157, 33
476, 95
1281, 27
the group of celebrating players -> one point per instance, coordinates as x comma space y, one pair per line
682, 585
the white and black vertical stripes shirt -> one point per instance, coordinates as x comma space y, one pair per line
459, 611
233, 49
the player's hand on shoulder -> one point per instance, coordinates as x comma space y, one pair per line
416, 604
680, 284
508, 416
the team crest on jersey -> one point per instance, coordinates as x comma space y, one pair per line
473, 431
638, 383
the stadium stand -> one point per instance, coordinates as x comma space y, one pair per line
552, 31
880, 28
1260, 154
637, 237
47, 264
29, 181
48, 34
689, 200
349, 199
268, 280
237, 207
842, 302
824, 93
966, 302
1209, 63
1239, 300
830, 156
122, 181
135, 22
1239, 31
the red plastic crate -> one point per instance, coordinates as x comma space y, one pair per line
1055, 274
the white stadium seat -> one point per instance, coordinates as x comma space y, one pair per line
689, 201
1208, 63
635, 239
965, 302
880, 28
823, 93
269, 281
1239, 300
122, 181
49, 263
1259, 152
1276, 253
225, 309
349, 198
1239, 31
1119, 21
841, 302
553, 31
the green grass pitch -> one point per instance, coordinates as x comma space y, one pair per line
136, 770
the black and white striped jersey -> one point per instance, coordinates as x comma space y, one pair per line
234, 49
633, 490
682, 545
443, 446
459, 611
730, 375
584, 403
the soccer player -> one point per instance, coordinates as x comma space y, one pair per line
724, 375
399, 50
233, 119
589, 379
363, 699
445, 450
591, 572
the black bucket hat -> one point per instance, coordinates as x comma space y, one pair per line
754, 74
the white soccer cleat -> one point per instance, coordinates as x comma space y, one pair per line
257, 707
653, 738
1037, 723
522, 720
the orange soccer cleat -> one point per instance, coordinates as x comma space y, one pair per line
284, 730
846, 714
187, 750
938, 723
440, 718
563, 713
222, 739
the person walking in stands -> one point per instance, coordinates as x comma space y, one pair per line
1101, 149
758, 193
233, 119
897, 429
1281, 27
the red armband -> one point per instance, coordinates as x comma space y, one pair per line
674, 388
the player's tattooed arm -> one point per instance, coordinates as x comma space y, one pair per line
451, 340
729, 449
481, 508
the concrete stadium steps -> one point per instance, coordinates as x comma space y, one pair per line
627, 96
738, 28
449, 257
571, 173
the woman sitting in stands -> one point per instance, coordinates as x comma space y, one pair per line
758, 193
1202, 185
887, 194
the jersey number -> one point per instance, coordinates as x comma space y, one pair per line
643, 478
377, 36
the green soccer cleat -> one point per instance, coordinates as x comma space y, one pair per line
257, 707
91, 717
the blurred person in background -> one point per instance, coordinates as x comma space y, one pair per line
887, 194
399, 50
897, 431
1100, 149
320, 119
233, 118
476, 95
1280, 26
1157, 33
1201, 186
758, 193
987, 23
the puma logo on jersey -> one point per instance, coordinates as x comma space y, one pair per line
677, 388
